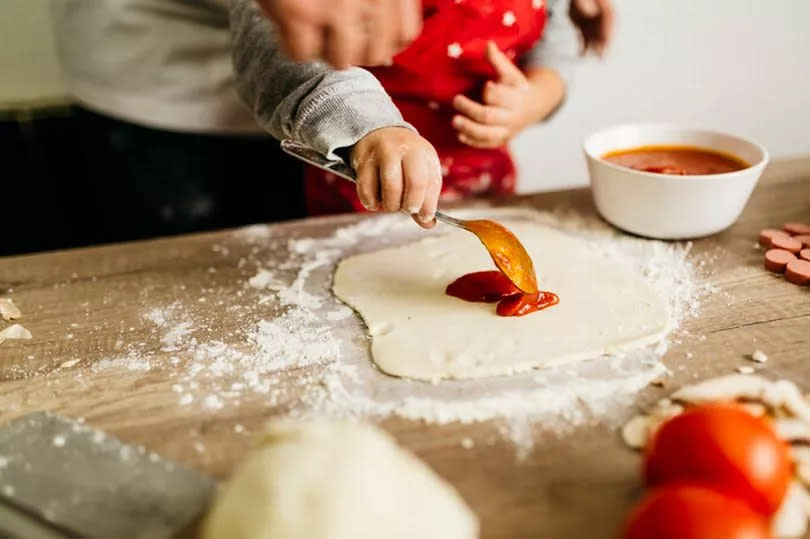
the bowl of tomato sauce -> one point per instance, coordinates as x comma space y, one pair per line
670, 182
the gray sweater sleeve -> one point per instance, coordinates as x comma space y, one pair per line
559, 47
311, 103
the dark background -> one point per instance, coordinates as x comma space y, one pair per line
70, 178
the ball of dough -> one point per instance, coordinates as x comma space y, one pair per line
327, 480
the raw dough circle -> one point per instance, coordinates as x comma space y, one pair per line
325, 480
420, 332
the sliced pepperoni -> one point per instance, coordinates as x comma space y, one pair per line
768, 234
804, 238
776, 260
798, 272
805, 254
788, 244
795, 229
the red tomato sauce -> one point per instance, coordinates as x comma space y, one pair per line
676, 160
494, 286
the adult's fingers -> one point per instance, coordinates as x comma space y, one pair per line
483, 114
303, 41
508, 72
500, 95
382, 39
345, 41
409, 14
479, 135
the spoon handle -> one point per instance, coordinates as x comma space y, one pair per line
341, 169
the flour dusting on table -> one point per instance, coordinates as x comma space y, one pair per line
306, 353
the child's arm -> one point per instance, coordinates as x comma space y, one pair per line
330, 110
510, 104
519, 99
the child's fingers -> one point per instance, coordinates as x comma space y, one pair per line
482, 136
368, 185
508, 72
500, 95
425, 165
482, 114
415, 172
427, 215
391, 181
475, 143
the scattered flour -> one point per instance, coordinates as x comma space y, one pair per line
176, 335
263, 279
301, 349
130, 363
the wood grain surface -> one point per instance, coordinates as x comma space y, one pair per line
85, 306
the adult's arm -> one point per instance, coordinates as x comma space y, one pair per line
312, 103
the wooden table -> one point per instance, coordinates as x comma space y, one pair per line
87, 304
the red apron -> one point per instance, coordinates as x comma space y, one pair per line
447, 59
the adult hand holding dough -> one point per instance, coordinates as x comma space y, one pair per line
325, 480
345, 32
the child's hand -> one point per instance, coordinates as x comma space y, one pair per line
511, 104
400, 170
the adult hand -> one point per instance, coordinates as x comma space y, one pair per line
594, 20
345, 32
400, 171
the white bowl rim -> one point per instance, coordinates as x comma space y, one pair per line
765, 157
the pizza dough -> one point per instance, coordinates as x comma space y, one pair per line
419, 332
324, 480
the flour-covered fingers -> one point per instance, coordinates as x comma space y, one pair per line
423, 184
415, 176
368, 184
426, 218
391, 180
398, 168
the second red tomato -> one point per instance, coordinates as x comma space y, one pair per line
725, 448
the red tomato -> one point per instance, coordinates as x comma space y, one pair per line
726, 448
694, 512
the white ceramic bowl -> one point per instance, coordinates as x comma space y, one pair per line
667, 206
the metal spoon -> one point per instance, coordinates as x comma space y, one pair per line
503, 246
